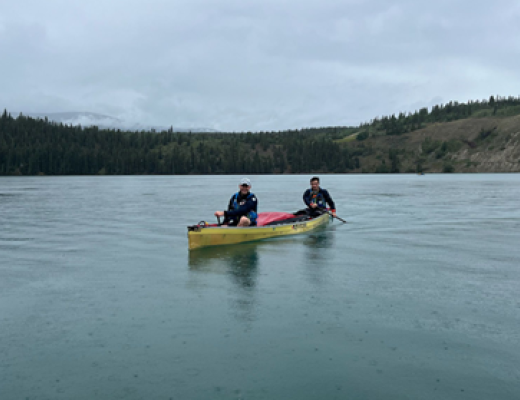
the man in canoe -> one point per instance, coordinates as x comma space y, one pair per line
242, 208
317, 198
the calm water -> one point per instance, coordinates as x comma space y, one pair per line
417, 297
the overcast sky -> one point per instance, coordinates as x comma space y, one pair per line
240, 65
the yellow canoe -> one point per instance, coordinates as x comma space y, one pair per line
202, 236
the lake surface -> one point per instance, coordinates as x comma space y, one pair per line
417, 297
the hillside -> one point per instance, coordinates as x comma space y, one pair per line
488, 144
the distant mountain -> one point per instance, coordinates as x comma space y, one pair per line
108, 122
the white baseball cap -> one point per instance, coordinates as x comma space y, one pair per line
245, 181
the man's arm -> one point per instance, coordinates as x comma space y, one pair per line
307, 197
223, 213
329, 201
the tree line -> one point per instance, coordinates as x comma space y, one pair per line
30, 146
451, 111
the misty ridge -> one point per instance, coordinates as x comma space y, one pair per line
90, 119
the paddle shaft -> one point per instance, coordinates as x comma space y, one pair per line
335, 216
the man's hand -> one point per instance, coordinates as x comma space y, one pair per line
219, 213
313, 205
334, 213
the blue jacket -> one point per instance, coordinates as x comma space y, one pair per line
321, 199
242, 206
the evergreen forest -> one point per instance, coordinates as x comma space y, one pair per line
31, 146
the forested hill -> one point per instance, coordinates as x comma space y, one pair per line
478, 136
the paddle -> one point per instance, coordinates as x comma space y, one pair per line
333, 216
218, 219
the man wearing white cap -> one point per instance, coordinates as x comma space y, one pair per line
242, 208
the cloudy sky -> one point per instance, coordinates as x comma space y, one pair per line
240, 65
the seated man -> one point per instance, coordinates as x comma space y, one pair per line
242, 209
317, 198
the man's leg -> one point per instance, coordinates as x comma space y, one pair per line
244, 221
230, 222
316, 212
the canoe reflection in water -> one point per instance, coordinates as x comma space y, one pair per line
316, 242
319, 256
240, 263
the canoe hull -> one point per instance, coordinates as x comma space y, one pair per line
203, 237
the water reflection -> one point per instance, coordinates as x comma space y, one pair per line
322, 239
240, 261
241, 264
319, 254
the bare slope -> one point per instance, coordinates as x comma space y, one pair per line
470, 145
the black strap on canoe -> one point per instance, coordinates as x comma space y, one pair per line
199, 226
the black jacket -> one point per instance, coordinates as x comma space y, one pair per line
246, 204
321, 198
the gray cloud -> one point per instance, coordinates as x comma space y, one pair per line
256, 65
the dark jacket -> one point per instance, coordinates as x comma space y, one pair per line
321, 199
240, 205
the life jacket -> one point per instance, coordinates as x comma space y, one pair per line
318, 199
251, 214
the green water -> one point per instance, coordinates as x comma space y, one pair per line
415, 298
